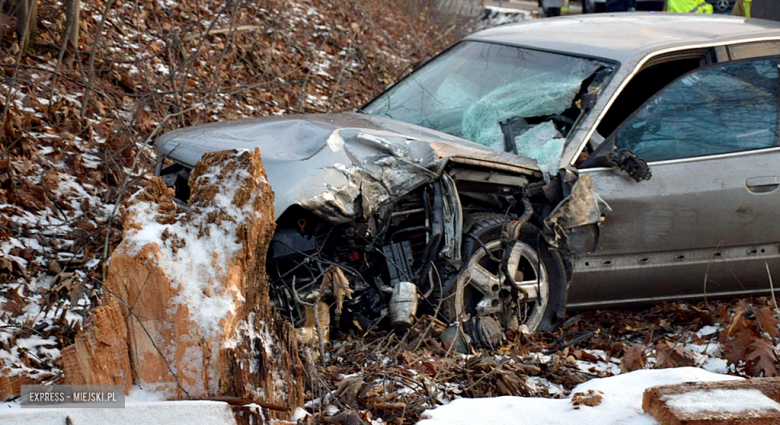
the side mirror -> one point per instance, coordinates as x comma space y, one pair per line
634, 166
607, 155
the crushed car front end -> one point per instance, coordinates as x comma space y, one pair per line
387, 217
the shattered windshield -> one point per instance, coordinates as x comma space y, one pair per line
506, 98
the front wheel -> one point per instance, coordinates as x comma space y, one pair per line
521, 284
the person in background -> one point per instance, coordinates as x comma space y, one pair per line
689, 6
742, 8
762, 9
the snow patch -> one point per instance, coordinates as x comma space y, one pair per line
622, 403
722, 400
716, 365
197, 265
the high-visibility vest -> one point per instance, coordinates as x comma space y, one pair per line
688, 6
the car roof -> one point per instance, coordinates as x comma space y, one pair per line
627, 37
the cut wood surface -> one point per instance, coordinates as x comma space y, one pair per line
196, 320
715, 403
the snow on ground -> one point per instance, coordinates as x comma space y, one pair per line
140, 409
621, 404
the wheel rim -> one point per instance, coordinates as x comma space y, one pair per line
483, 291
722, 5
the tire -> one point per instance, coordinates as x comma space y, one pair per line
552, 11
721, 7
462, 299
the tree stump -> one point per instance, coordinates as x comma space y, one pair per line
193, 290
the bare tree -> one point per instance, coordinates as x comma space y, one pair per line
95, 46
72, 23
26, 22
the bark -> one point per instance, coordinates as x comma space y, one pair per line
70, 43
11, 381
26, 22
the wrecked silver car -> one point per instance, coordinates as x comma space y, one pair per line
410, 216
470, 188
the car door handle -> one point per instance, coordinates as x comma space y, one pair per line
764, 184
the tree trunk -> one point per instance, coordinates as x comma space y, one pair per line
26, 22
70, 43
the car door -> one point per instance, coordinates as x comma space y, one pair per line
708, 221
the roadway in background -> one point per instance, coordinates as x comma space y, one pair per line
531, 5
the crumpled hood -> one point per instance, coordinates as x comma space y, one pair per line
299, 137
325, 162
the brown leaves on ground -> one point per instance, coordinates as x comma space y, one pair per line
401, 375
76, 135
335, 282
761, 359
397, 377
590, 399
17, 190
767, 321
750, 339
634, 358
670, 354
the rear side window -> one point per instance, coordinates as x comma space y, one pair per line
720, 109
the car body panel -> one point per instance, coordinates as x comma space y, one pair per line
665, 235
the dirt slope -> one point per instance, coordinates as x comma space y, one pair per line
75, 140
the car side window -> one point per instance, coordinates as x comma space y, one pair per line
725, 108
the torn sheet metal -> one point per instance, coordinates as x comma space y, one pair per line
339, 166
380, 168
582, 207
453, 222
